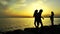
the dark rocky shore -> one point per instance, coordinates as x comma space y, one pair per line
42, 30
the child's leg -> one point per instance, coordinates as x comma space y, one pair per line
35, 23
41, 24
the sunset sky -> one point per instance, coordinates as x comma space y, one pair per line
27, 7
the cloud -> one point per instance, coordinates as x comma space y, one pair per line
14, 4
4, 4
17, 5
24, 3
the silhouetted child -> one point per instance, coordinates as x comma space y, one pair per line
52, 18
39, 18
35, 16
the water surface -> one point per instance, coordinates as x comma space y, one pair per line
7, 24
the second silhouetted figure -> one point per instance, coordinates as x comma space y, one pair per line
52, 18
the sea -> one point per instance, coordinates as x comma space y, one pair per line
10, 24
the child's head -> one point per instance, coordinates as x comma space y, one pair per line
52, 12
36, 11
40, 10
